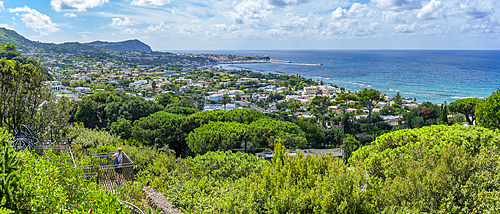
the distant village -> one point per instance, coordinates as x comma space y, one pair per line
135, 74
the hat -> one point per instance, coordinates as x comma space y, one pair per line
119, 148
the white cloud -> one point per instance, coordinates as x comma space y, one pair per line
404, 28
433, 10
398, 5
282, 3
355, 22
150, 2
33, 19
75, 5
395, 17
70, 15
6, 26
476, 9
187, 30
118, 22
159, 27
128, 31
1, 6
357, 10
249, 11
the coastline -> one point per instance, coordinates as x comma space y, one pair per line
356, 86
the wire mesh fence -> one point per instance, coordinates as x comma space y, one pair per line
110, 175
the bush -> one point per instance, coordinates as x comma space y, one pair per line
9, 173
437, 169
223, 165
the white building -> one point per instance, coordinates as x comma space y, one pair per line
214, 97
82, 89
188, 81
310, 90
55, 85
327, 90
235, 92
209, 107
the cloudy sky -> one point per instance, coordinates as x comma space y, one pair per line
261, 24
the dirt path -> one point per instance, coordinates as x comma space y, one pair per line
158, 200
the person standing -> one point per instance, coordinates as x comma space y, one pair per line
117, 162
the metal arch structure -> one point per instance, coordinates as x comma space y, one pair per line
24, 138
129, 206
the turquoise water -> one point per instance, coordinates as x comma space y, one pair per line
434, 76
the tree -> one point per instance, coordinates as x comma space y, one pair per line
86, 111
216, 135
487, 111
53, 116
425, 114
397, 99
349, 145
21, 93
366, 98
431, 167
342, 101
161, 129
293, 106
237, 97
245, 116
320, 105
225, 100
314, 133
443, 114
200, 118
466, 107
181, 110
153, 85
266, 132
121, 128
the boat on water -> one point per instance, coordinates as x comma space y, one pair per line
319, 64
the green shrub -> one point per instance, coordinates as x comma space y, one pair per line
9, 173
437, 169
223, 165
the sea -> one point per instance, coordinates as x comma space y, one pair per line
427, 75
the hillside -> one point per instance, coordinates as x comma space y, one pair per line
20, 41
13, 37
129, 45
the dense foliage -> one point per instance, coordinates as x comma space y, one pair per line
103, 107
466, 107
21, 92
488, 111
437, 169
216, 135
161, 129
424, 115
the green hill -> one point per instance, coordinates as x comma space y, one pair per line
13, 37
21, 42
129, 45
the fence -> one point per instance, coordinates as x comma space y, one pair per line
107, 174
100, 170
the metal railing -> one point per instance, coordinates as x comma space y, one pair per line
107, 174
129, 206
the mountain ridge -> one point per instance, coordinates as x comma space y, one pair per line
7, 35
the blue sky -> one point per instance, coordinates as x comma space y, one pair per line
261, 24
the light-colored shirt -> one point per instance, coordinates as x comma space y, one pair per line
120, 158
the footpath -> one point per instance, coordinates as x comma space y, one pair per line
158, 201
